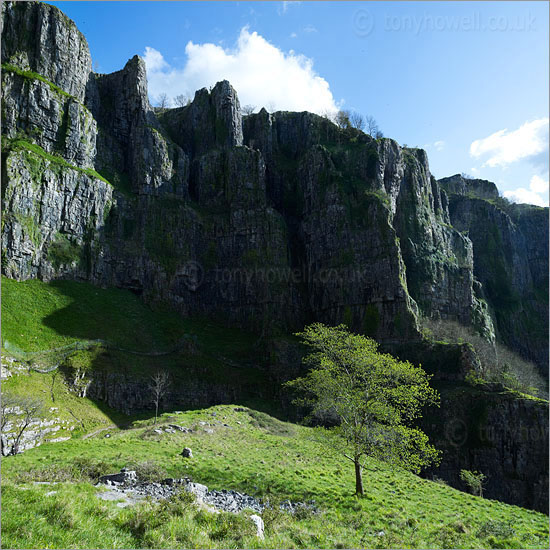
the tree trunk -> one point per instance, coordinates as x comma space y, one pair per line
358, 478
156, 410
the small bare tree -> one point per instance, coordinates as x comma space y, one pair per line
182, 100
163, 101
158, 385
371, 125
248, 109
17, 414
7, 406
357, 120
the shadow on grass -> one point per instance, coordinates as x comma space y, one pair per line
218, 365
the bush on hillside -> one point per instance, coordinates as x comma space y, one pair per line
474, 481
148, 471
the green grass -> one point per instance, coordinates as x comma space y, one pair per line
82, 414
262, 456
31, 75
39, 153
38, 316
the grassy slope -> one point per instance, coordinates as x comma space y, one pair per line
260, 456
38, 316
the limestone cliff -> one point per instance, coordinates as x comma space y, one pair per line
268, 221
510, 244
276, 219
496, 433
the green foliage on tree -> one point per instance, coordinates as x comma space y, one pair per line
373, 397
474, 480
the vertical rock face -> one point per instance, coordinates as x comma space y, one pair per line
131, 145
279, 219
510, 261
351, 257
52, 218
40, 38
439, 259
228, 111
356, 200
504, 437
55, 121
54, 204
211, 121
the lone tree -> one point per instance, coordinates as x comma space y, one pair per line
372, 127
357, 120
474, 480
163, 102
372, 396
17, 414
342, 119
159, 385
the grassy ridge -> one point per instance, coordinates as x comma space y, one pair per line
261, 456
56, 160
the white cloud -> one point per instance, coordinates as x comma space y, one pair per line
261, 73
536, 194
538, 184
504, 147
475, 171
310, 28
526, 196
154, 60
293, 35
283, 8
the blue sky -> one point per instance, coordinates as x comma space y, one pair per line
468, 81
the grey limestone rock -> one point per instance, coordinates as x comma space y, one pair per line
259, 524
40, 38
125, 476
